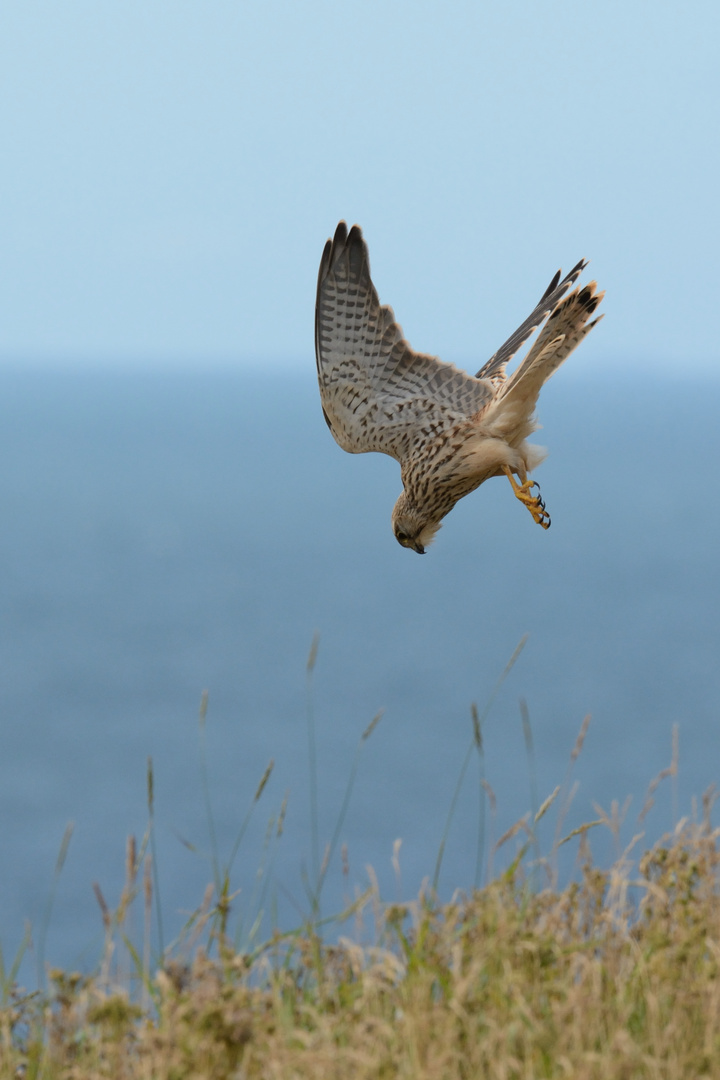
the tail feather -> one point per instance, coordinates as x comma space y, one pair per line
514, 406
494, 369
562, 333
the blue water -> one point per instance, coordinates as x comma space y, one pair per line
167, 533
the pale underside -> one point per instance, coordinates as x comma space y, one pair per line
450, 431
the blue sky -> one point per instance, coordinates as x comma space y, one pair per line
172, 169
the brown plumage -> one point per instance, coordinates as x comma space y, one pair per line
450, 431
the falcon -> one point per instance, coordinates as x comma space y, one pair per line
449, 431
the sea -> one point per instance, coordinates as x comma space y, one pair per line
195, 579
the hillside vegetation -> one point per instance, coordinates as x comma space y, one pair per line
616, 975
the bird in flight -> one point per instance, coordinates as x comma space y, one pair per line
450, 431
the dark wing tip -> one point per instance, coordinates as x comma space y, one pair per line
357, 248
340, 234
568, 279
324, 267
326, 253
352, 246
551, 287
343, 241
577, 270
333, 248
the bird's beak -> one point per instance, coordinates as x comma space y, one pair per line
419, 548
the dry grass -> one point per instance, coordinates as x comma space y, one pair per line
616, 975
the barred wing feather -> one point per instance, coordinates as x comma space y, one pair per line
377, 392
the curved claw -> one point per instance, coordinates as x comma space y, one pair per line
534, 503
543, 518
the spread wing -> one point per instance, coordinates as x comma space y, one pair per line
495, 367
377, 393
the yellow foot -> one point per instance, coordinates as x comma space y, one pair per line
533, 502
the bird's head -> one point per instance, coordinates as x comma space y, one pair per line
412, 527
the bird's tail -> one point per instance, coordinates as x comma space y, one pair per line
562, 333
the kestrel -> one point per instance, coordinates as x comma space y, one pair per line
450, 431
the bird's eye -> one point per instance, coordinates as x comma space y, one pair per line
401, 537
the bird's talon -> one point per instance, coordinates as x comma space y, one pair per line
534, 503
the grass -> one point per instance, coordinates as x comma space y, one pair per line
615, 974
